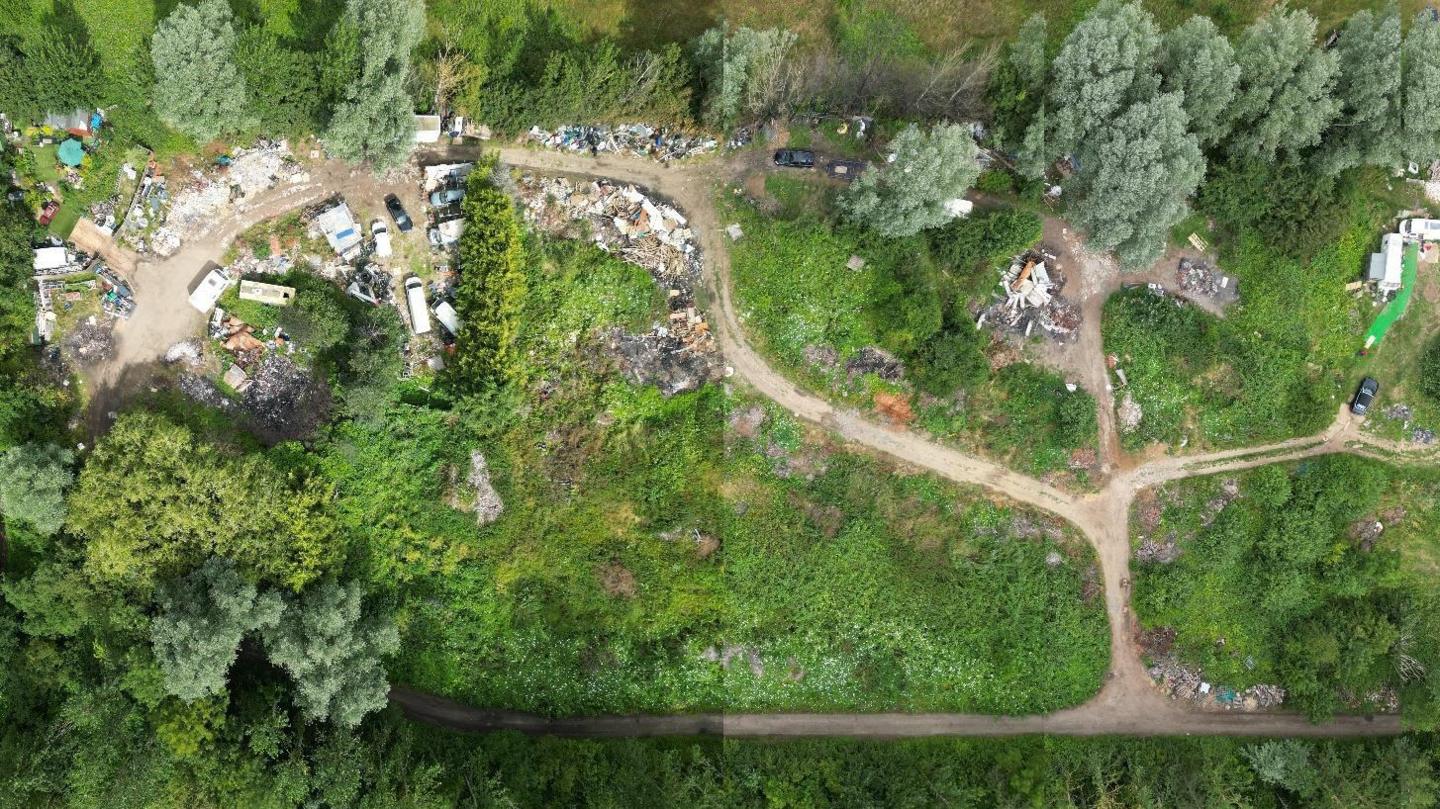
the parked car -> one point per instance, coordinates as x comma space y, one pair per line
381, 235
1365, 396
397, 213
1428, 229
48, 212
795, 158
445, 196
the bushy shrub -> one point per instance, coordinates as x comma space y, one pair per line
1430, 369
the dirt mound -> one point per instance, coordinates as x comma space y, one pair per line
617, 580
894, 406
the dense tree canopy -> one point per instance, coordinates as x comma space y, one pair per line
908, 194
1285, 99
1197, 61
1420, 74
199, 90
492, 287
202, 618
154, 499
332, 649
1135, 178
1106, 63
743, 70
33, 479
374, 118
1366, 131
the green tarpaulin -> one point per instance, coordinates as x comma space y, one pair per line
71, 153
1409, 267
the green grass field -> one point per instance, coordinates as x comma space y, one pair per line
701, 551
1282, 578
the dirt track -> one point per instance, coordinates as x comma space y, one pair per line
1127, 703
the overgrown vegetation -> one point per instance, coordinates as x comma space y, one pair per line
1317, 577
915, 298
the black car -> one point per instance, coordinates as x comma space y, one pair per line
795, 158
397, 212
1365, 396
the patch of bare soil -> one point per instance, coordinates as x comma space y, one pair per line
895, 407
706, 546
828, 520
617, 580
747, 421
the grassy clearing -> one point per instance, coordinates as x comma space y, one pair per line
1395, 363
800, 300
1281, 579
649, 560
1275, 367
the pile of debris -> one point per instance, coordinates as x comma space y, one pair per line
1158, 551
639, 140
89, 343
1031, 296
486, 504
1182, 682
117, 299
1404, 414
1199, 278
1129, 413
283, 401
183, 207
679, 354
237, 336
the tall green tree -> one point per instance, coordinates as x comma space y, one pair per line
33, 479
908, 194
1199, 62
491, 294
332, 648
52, 72
743, 71
374, 118
1367, 129
1106, 64
1135, 178
202, 618
155, 501
1017, 93
282, 83
199, 89
1420, 106
1286, 95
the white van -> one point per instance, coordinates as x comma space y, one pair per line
1427, 229
415, 298
381, 235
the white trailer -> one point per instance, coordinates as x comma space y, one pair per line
415, 299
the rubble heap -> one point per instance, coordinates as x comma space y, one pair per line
679, 354
1030, 296
1181, 682
639, 140
89, 343
183, 207
1199, 278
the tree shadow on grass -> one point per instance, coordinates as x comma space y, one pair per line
653, 24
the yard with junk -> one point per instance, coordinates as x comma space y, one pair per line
1304, 586
719, 554
933, 331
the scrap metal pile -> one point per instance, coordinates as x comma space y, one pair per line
679, 354
1199, 278
639, 140
1030, 296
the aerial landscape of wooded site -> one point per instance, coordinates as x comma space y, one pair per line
719, 403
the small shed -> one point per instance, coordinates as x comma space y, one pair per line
427, 128
1385, 266
50, 259
77, 122
211, 287
270, 294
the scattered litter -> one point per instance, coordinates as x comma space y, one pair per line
487, 505
855, 263
1182, 682
185, 351
877, 361
639, 140
1158, 551
90, 342
735, 232
1130, 413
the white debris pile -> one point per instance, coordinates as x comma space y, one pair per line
640, 140
196, 200
1182, 682
1030, 296
487, 504
676, 355
1130, 413
185, 351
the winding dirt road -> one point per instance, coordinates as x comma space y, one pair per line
1127, 702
